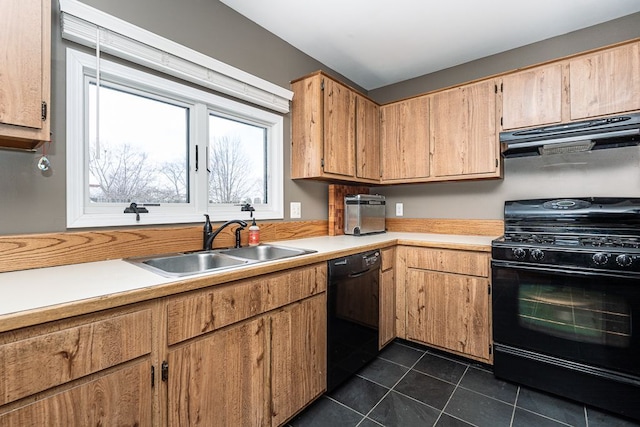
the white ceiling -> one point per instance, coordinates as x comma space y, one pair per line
376, 42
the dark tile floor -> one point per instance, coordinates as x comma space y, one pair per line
409, 385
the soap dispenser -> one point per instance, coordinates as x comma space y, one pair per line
254, 234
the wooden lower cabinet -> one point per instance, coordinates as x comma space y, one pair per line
220, 380
449, 311
247, 353
121, 398
90, 370
387, 322
257, 373
443, 300
298, 356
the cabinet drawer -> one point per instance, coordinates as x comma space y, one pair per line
449, 261
121, 398
205, 311
41, 362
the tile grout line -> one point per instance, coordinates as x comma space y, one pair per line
451, 395
586, 416
515, 404
395, 384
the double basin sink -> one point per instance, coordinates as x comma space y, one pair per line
187, 264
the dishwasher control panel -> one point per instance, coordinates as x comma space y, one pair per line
370, 260
354, 264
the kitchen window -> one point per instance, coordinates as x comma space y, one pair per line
176, 150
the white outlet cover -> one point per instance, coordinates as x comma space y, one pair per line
295, 210
399, 209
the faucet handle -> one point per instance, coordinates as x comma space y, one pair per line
237, 231
247, 208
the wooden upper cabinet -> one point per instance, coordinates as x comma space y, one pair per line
329, 122
25, 70
464, 140
532, 97
606, 82
404, 140
367, 139
339, 129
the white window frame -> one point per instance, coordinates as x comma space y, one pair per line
79, 211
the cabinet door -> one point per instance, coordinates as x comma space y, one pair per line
387, 328
298, 356
449, 311
367, 139
121, 398
606, 82
339, 129
532, 97
25, 45
463, 130
405, 140
220, 379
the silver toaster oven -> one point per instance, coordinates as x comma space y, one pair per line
364, 214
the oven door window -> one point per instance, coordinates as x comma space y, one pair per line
587, 318
574, 313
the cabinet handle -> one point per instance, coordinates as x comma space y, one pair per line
165, 371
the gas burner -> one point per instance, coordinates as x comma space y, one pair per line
610, 242
534, 239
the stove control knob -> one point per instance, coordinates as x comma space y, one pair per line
519, 253
600, 258
624, 260
537, 254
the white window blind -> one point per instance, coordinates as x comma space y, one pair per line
82, 24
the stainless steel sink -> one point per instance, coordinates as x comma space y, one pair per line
178, 265
265, 252
188, 264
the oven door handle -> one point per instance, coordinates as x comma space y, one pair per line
580, 271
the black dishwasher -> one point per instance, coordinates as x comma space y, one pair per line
352, 315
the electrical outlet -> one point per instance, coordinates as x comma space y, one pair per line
399, 209
295, 210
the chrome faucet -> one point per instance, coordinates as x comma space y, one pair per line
209, 235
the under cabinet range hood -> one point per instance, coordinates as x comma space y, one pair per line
595, 134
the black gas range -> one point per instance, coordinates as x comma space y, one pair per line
599, 234
566, 299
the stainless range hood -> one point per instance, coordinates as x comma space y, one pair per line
609, 132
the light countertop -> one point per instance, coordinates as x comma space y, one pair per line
106, 284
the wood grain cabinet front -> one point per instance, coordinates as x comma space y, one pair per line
532, 97
334, 132
387, 322
605, 82
464, 137
95, 371
447, 302
298, 356
25, 73
249, 353
601, 83
404, 140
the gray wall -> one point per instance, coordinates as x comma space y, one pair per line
600, 173
34, 202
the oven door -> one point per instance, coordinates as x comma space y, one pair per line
589, 318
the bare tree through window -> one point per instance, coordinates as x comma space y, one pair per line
237, 170
231, 179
